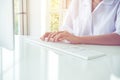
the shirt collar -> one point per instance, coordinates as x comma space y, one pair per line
108, 2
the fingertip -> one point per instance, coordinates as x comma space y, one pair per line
46, 39
42, 38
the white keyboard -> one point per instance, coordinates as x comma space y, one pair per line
85, 53
70, 49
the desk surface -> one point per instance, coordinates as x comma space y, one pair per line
37, 62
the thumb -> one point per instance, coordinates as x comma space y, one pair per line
65, 40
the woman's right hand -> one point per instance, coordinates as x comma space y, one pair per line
48, 36
61, 36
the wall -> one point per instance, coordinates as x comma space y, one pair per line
0, 63
6, 24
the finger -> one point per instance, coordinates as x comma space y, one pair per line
57, 37
42, 38
68, 40
49, 36
45, 35
63, 38
54, 34
61, 35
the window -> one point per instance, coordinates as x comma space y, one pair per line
57, 10
16, 8
20, 15
55, 14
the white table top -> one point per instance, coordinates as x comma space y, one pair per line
40, 61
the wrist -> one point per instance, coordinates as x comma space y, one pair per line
78, 40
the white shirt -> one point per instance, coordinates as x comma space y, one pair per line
105, 19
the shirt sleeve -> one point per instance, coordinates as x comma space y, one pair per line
117, 24
68, 21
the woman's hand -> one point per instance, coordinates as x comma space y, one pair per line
49, 36
107, 39
61, 36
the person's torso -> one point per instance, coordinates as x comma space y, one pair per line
100, 21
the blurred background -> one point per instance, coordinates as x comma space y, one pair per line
42, 15
34, 18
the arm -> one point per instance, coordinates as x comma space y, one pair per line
107, 39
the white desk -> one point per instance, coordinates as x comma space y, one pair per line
38, 62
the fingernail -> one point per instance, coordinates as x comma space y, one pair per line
46, 39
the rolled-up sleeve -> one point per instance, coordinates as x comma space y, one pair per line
117, 24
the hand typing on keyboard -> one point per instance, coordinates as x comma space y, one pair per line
61, 36
52, 40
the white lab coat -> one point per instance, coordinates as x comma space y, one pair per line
105, 19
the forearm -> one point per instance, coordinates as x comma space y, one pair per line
108, 39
